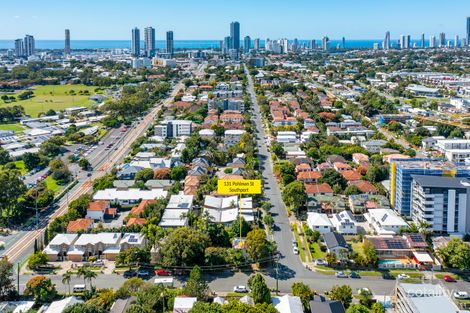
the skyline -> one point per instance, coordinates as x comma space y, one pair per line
208, 19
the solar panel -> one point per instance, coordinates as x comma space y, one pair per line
416, 238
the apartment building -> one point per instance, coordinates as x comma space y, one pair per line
174, 128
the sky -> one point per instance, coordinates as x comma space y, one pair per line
210, 19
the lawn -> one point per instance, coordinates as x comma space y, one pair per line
19, 166
317, 253
16, 127
52, 184
299, 245
56, 97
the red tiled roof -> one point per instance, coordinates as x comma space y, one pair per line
79, 224
136, 221
364, 186
138, 210
99, 205
351, 175
317, 188
315, 175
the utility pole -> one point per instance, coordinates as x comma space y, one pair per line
277, 275
37, 215
18, 278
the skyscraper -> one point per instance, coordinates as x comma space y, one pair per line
135, 45
256, 44
432, 42
19, 47
67, 49
29, 47
422, 41
227, 44
247, 44
387, 41
468, 30
169, 43
149, 34
456, 41
313, 44
402, 42
343, 44
442, 40
325, 43
295, 45
235, 35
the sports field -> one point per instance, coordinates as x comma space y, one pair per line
56, 97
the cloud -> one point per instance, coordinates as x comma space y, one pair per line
16, 16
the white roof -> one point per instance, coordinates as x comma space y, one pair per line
343, 217
207, 132
386, 217
184, 302
180, 201
423, 257
172, 218
60, 239
234, 132
132, 238
221, 202
105, 238
129, 194
288, 304
61, 305
318, 219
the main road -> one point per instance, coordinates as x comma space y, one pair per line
103, 161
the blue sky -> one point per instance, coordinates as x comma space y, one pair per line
209, 19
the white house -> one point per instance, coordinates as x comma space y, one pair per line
129, 196
320, 222
226, 209
385, 221
344, 223
232, 137
183, 304
177, 207
287, 304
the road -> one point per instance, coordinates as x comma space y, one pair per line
103, 161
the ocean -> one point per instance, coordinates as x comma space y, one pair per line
180, 44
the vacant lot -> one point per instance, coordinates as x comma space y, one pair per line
56, 97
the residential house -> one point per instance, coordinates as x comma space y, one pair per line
287, 304
319, 304
319, 222
226, 209
98, 209
310, 177
313, 190
344, 223
78, 225
176, 211
335, 243
129, 196
58, 247
385, 221
183, 304
232, 137
364, 186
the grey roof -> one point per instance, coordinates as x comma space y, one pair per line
121, 305
159, 183
334, 239
441, 181
320, 305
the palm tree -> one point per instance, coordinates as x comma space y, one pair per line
153, 234
90, 275
81, 272
66, 277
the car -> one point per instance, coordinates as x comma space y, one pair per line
364, 290
449, 279
143, 273
341, 274
240, 289
354, 275
402, 276
320, 262
294, 243
387, 275
162, 272
129, 274
295, 250
98, 263
460, 294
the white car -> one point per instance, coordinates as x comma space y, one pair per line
295, 250
320, 262
460, 294
402, 276
240, 289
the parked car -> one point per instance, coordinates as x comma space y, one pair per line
98, 263
320, 262
79, 288
354, 275
387, 275
295, 250
162, 272
449, 279
460, 294
240, 289
294, 243
341, 275
129, 274
402, 276
143, 273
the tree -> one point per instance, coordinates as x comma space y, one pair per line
12, 188
332, 178
365, 297
144, 175
455, 254
376, 173
330, 258
84, 163
303, 291
206, 307
342, 293
130, 288
66, 278
259, 289
41, 288
196, 285
357, 308
352, 190
90, 275
178, 173
31, 160
278, 149
132, 256
377, 308
37, 259
234, 229
4, 156
257, 245
184, 247
53, 146
6, 278
82, 272
152, 233
294, 195
84, 308
369, 252
59, 171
